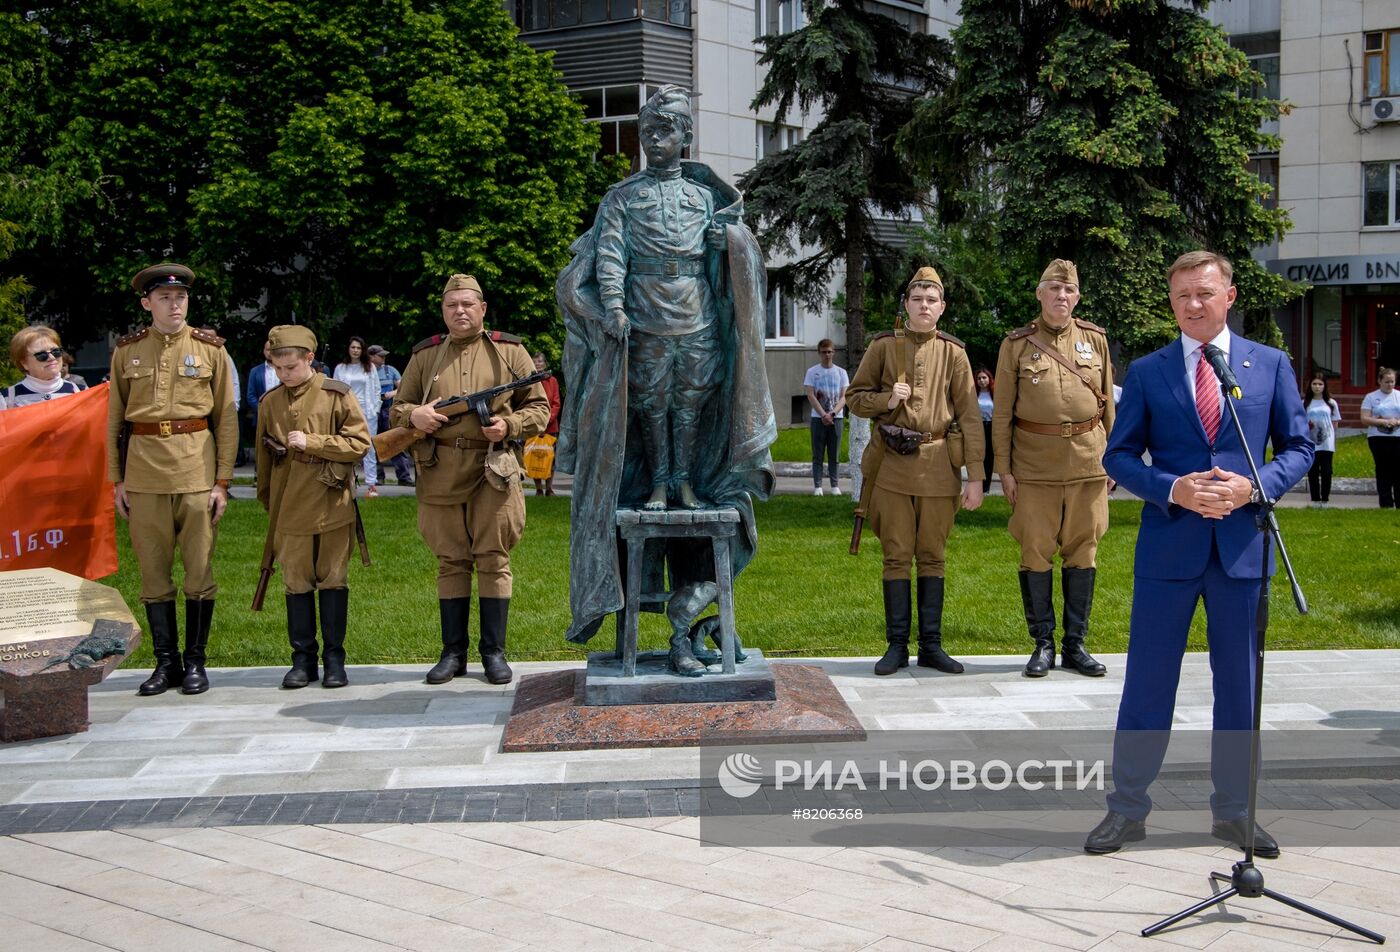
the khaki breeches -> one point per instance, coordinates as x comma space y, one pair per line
912, 529
1069, 518
474, 536
314, 562
160, 522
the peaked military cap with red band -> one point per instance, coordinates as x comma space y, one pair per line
163, 275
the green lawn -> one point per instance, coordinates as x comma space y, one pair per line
802, 596
1353, 458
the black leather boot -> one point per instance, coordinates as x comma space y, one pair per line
1037, 599
335, 612
165, 643
199, 614
495, 612
454, 613
301, 632
896, 592
931, 653
1078, 587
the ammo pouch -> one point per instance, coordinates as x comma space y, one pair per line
335, 474
903, 441
502, 467
957, 455
424, 452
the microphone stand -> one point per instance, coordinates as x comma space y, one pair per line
1245, 879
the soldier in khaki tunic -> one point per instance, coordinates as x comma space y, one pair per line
321, 433
918, 379
171, 405
470, 517
1050, 425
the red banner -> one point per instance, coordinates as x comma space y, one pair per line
56, 507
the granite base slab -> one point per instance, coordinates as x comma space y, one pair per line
656, 683
40, 699
549, 714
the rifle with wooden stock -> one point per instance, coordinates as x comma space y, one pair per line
394, 441
867, 484
279, 455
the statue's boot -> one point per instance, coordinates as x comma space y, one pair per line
335, 616
454, 613
301, 632
931, 653
494, 614
1078, 586
710, 628
682, 659
1037, 600
165, 642
897, 619
199, 615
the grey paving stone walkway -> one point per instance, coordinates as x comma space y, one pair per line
383, 816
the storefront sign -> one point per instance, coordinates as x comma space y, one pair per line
1341, 269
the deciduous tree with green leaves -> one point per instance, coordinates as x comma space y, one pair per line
1112, 132
335, 159
817, 200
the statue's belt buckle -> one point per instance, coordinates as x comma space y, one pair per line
1067, 430
167, 427
672, 267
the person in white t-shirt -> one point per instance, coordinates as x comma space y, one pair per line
1323, 415
826, 385
1380, 411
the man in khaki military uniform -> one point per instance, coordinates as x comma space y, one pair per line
318, 424
1050, 424
919, 379
470, 517
172, 403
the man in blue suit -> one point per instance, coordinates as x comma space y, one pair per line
1198, 541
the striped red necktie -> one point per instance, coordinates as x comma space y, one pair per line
1207, 396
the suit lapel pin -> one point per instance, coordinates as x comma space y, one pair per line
1245, 364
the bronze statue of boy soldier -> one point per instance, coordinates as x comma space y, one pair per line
311, 433
172, 437
916, 384
1050, 424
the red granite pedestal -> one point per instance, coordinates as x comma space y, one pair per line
549, 714
39, 701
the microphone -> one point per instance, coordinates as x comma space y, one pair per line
1221, 366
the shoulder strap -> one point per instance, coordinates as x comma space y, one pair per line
1059, 358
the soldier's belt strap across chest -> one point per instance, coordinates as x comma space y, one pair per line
168, 427
670, 267
1060, 429
462, 443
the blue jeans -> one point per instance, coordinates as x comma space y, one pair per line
826, 442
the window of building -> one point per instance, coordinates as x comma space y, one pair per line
1267, 67
615, 110
1266, 167
1382, 63
780, 315
1380, 198
778, 16
772, 139
533, 15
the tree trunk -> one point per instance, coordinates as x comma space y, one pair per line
855, 288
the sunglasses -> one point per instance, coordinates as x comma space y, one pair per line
44, 356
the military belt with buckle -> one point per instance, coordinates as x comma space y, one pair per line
1065, 430
169, 427
670, 267
301, 457
462, 443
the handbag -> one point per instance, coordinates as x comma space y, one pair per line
902, 440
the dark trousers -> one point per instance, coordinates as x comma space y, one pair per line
826, 442
1320, 476
403, 466
987, 442
1385, 450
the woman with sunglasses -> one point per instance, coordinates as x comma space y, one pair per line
37, 351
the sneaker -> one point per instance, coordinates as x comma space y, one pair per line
817, 491
372, 492
836, 490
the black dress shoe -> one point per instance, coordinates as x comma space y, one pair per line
1112, 832
1232, 831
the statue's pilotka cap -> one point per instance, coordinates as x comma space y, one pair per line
291, 335
164, 275
461, 282
925, 275
672, 100
1061, 270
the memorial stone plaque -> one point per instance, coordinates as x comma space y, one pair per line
59, 634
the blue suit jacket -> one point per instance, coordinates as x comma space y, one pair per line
1157, 414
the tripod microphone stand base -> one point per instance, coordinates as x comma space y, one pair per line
1247, 882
